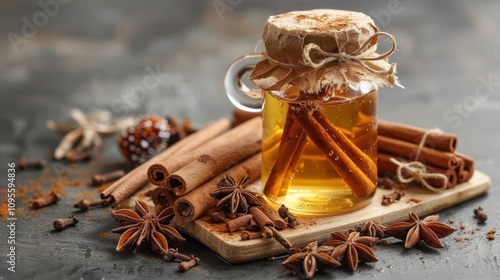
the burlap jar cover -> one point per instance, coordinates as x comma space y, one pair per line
317, 49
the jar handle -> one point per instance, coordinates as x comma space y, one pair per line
243, 97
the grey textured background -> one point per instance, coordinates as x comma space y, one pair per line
94, 54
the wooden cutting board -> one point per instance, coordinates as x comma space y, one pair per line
231, 248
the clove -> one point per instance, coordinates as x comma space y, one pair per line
173, 254
85, 204
99, 179
480, 214
392, 197
288, 217
61, 224
47, 200
24, 163
186, 263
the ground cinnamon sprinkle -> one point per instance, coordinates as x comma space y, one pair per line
22, 191
490, 235
4, 210
414, 200
103, 235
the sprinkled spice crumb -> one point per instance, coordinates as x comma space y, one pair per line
414, 200
490, 235
450, 221
463, 226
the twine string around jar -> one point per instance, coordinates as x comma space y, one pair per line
364, 53
359, 56
417, 171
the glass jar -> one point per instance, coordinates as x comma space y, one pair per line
313, 183
319, 146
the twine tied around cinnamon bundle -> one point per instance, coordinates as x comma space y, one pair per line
417, 171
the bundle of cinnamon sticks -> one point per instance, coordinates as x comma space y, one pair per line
435, 149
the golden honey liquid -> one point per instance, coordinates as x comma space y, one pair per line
316, 189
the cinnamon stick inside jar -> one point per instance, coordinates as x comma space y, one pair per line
359, 182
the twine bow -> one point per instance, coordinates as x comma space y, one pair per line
360, 56
416, 170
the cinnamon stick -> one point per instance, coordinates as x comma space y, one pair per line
137, 178
261, 218
291, 140
441, 141
235, 224
280, 238
240, 116
193, 205
164, 197
363, 161
386, 167
232, 148
292, 167
251, 235
409, 150
360, 184
460, 167
468, 169
158, 173
253, 226
272, 214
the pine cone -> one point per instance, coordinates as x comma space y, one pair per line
147, 137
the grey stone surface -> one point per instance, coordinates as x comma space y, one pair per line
96, 55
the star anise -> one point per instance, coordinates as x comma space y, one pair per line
85, 135
143, 225
428, 230
234, 195
352, 249
371, 228
311, 258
